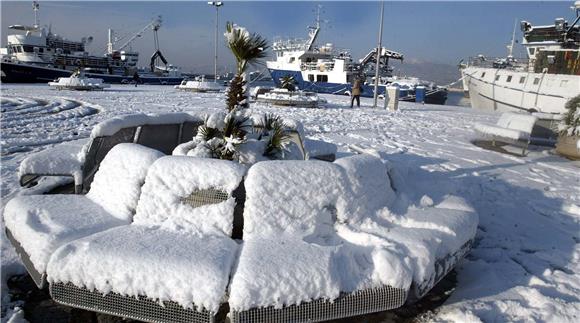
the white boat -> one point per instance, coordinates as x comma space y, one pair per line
543, 82
283, 97
200, 85
79, 82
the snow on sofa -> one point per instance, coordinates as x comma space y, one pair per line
173, 263
325, 244
511, 128
38, 224
293, 265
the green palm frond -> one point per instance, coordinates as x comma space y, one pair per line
571, 118
206, 133
277, 141
288, 82
247, 48
235, 126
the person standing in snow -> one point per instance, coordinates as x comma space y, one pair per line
136, 78
355, 92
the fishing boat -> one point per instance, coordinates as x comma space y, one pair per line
542, 82
326, 69
39, 56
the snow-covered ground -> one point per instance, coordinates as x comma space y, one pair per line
525, 265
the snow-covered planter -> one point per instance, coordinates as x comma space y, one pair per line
243, 138
78, 82
200, 85
569, 140
284, 97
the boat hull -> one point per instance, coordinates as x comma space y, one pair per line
432, 97
490, 90
26, 73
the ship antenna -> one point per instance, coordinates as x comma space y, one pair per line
511, 46
35, 7
313, 33
318, 16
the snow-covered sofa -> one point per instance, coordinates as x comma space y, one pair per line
294, 265
173, 263
511, 128
164, 132
315, 241
38, 224
325, 243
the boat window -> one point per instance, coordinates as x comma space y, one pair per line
19, 49
41, 50
522, 79
532, 51
509, 78
497, 77
321, 78
536, 81
482, 74
292, 59
28, 49
311, 77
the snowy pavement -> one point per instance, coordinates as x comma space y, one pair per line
525, 265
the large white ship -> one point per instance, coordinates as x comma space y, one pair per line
542, 82
327, 69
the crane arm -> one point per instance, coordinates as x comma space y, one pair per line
155, 24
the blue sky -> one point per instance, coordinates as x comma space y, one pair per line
441, 32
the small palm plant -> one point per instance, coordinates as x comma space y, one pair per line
233, 135
571, 123
288, 82
248, 49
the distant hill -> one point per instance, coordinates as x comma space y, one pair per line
440, 74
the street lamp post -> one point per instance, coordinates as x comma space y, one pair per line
216, 4
379, 50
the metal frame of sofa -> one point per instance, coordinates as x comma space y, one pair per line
143, 308
138, 308
38, 278
442, 267
346, 305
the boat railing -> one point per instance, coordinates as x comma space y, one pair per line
521, 64
289, 44
317, 66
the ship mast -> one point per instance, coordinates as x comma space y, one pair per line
378, 61
35, 7
512, 44
314, 30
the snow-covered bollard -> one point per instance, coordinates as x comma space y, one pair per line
392, 98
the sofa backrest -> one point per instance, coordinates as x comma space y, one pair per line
307, 198
300, 198
188, 193
161, 136
117, 184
